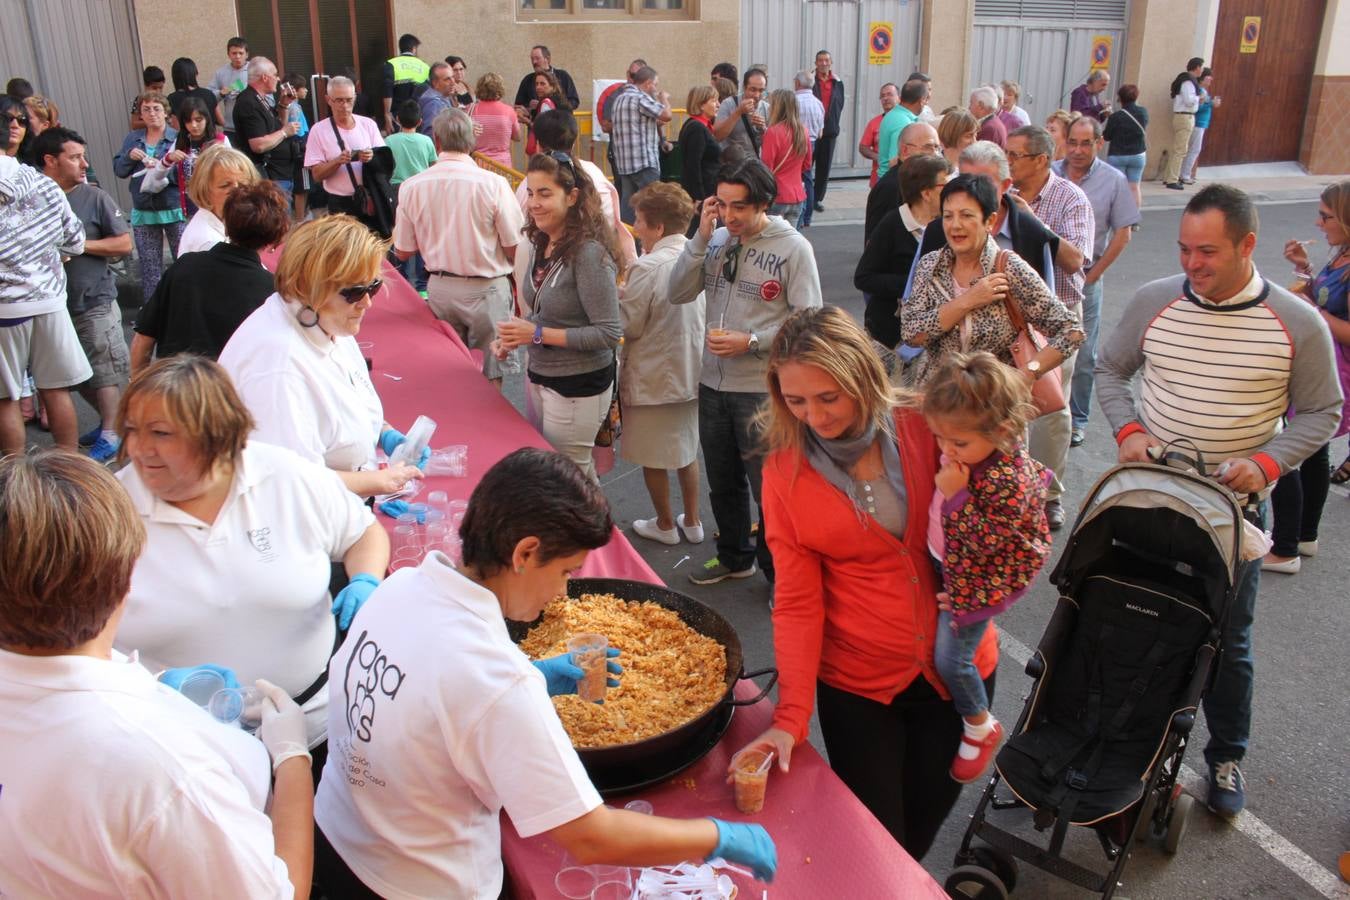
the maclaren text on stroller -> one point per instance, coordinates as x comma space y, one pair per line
1145, 581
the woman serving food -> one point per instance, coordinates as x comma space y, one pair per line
438, 722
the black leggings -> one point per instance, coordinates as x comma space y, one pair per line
896, 758
1297, 502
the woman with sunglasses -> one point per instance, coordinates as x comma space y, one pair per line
572, 295
296, 363
14, 118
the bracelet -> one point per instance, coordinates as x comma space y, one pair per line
1306, 273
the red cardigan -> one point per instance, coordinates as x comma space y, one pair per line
853, 606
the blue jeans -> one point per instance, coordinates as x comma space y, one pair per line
629, 185
1080, 394
788, 211
1132, 166
286, 186
732, 458
415, 270
1228, 705
809, 182
954, 655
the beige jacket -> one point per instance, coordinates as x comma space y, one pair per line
662, 354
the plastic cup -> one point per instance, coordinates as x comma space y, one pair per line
242, 706
751, 779
451, 461
439, 501
367, 349
612, 883
457, 510
589, 654
574, 881
200, 687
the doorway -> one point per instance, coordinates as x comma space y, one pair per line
1270, 86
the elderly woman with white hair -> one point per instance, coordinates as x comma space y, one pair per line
338, 146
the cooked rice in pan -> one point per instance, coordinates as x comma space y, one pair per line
671, 673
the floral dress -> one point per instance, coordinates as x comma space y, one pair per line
987, 328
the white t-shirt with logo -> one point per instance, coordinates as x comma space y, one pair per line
437, 723
305, 391
249, 591
117, 786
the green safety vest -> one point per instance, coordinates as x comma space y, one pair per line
409, 69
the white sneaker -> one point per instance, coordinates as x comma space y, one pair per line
692, 533
647, 528
1307, 548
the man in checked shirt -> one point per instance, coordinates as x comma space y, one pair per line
1063, 207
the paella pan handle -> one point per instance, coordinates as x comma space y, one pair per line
773, 679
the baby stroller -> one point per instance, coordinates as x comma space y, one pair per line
1145, 583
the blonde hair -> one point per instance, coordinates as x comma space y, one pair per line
69, 539
699, 95
490, 87
218, 156
39, 107
199, 399
326, 254
783, 108
1063, 118
725, 88
982, 393
829, 339
664, 204
955, 125
1011, 88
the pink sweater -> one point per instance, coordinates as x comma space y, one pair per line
776, 151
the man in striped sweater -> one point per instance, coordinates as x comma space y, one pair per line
37, 229
1223, 354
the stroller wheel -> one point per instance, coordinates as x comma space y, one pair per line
974, 883
1000, 863
1177, 822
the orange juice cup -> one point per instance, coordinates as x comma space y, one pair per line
589, 653
751, 778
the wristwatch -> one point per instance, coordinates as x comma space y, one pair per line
1034, 367
752, 345
538, 334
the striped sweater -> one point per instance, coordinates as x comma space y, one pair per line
1222, 375
37, 227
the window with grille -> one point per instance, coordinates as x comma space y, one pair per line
1061, 10
638, 10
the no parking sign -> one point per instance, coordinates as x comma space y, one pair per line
880, 43
1101, 52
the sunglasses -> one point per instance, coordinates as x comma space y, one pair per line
563, 159
22, 120
354, 293
731, 264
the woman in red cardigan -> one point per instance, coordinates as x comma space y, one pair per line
847, 487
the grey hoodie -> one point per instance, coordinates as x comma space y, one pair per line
37, 227
775, 276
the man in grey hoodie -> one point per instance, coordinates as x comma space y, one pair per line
755, 270
37, 229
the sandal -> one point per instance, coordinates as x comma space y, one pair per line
1341, 474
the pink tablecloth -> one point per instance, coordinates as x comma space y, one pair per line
438, 376
829, 845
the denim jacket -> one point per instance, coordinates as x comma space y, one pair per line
126, 167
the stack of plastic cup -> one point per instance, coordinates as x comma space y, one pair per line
237, 706
407, 544
201, 686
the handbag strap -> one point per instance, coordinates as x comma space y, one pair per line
1010, 303
351, 173
1142, 132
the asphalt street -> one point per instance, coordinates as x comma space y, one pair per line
1298, 818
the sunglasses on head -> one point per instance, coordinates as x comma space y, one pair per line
563, 159
354, 293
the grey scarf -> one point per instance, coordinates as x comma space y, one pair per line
833, 458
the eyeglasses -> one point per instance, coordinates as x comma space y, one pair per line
22, 120
343, 100
354, 293
932, 147
1014, 156
1325, 217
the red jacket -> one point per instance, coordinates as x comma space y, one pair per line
853, 606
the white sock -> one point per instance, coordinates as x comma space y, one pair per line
975, 733
109, 436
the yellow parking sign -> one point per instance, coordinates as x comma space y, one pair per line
880, 43
1251, 34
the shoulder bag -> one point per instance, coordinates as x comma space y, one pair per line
1047, 393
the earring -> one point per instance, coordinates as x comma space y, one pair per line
520, 570
300, 317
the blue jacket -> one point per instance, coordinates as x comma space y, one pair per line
124, 167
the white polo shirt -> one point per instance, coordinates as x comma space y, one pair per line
306, 392
249, 591
459, 216
117, 786
437, 723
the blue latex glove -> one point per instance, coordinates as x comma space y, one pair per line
395, 508
174, 678
562, 674
749, 845
390, 438
353, 597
